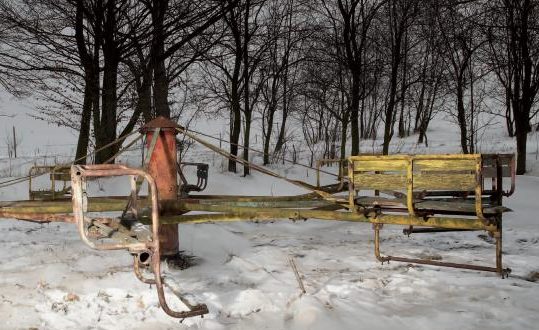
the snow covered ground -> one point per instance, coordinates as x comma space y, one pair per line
50, 280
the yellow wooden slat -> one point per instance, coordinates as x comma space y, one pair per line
380, 165
60, 176
448, 156
459, 182
363, 181
445, 164
378, 157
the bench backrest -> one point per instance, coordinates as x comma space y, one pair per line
378, 172
496, 167
458, 173
57, 173
420, 173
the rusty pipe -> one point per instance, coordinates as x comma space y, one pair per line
197, 310
413, 230
377, 244
138, 272
144, 257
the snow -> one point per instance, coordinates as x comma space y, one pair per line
37, 137
244, 277
50, 280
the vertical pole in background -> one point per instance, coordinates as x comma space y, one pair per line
14, 143
162, 167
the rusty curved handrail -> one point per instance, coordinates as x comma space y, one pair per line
78, 175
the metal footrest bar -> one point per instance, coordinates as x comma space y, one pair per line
412, 230
503, 272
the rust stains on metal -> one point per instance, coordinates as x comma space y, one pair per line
162, 168
38, 217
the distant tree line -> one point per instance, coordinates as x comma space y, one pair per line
333, 72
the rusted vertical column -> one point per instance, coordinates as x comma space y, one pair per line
162, 167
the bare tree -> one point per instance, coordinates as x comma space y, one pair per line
355, 18
12, 141
286, 35
431, 74
400, 15
460, 43
120, 43
521, 19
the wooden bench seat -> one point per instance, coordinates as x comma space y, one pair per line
464, 206
437, 184
464, 187
57, 173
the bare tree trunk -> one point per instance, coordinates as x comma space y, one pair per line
390, 110
282, 131
160, 79
461, 118
522, 126
344, 126
246, 141
86, 120
402, 125
236, 128
508, 114
106, 131
90, 63
144, 102
354, 113
160, 91
233, 22
246, 100
267, 134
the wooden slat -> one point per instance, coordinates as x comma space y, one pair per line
454, 205
491, 172
60, 176
365, 181
460, 182
380, 165
379, 157
445, 164
381, 201
506, 171
506, 159
448, 156
502, 158
489, 161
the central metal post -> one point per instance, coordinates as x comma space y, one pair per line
162, 167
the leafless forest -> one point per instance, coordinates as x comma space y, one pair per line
339, 71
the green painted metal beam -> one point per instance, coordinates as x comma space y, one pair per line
172, 212
246, 213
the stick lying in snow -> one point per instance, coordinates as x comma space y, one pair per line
295, 269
